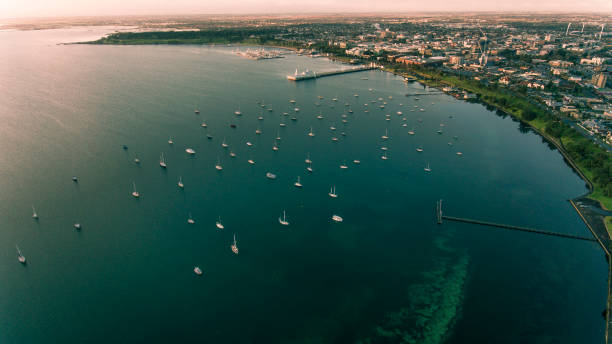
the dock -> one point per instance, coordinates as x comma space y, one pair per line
440, 217
314, 75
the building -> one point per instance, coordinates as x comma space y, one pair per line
599, 80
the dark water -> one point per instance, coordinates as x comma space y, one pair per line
387, 271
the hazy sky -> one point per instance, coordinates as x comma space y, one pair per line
46, 8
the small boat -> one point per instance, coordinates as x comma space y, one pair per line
332, 127
190, 151
386, 136
270, 175
233, 126
439, 131
196, 111
459, 153
337, 218
411, 132
357, 162
258, 131
249, 143
355, 95
136, 161
124, 147
170, 141
197, 271
274, 147
218, 165
399, 113
204, 125
311, 134
235, 245
20, 256
224, 144
219, 224
404, 125
283, 221
384, 156
232, 155
278, 138
309, 168
208, 136
135, 193
344, 166
427, 168
332, 192
384, 148
282, 124
190, 220
251, 161
162, 161
77, 226
292, 101
294, 118
296, 109
308, 161
320, 115
298, 184
419, 149
237, 112
75, 179
180, 183
34, 215
260, 118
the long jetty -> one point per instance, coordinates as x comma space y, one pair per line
315, 75
440, 216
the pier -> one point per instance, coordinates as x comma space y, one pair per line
440, 217
432, 93
314, 75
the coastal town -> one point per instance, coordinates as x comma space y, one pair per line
562, 67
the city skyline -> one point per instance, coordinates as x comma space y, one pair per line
60, 8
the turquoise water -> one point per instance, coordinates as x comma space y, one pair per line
387, 270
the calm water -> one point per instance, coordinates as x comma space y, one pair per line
388, 268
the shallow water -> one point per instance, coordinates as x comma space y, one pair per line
127, 275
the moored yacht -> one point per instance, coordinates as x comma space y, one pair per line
162, 161
332, 192
219, 224
235, 245
197, 271
20, 256
190, 220
337, 218
135, 193
283, 221
180, 183
297, 183
34, 215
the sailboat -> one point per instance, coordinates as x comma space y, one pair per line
274, 147
386, 136
344, 166
232, 154
311, 134
337, 218
308, 161
218, 165
190, 220
204, 125
162, 161
190, 151
224, 144
332, 192
427, 168
384, 156
20, 256
237, 112
197, 271
258, 131
251, 161
180, 183
283, 221
320, 115
278, 138
332, 127
235, 245
411, 132
170, 141
419, 149
309, 167
135, 193
298, 184
34, 215
219, 224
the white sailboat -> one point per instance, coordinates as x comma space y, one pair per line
190, 220
386, 136
298, 184
308, 161
219, 224
332, 192
427, 168
170, 141
283, 221
235, 245
197, 271
180, 183
190, 151
218, 165
34, 215
384, 156
135, 193
162, 161
224, 144
20, 256
344, 166
337, 218
311, 134
309, 167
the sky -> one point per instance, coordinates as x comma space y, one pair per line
60, 8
